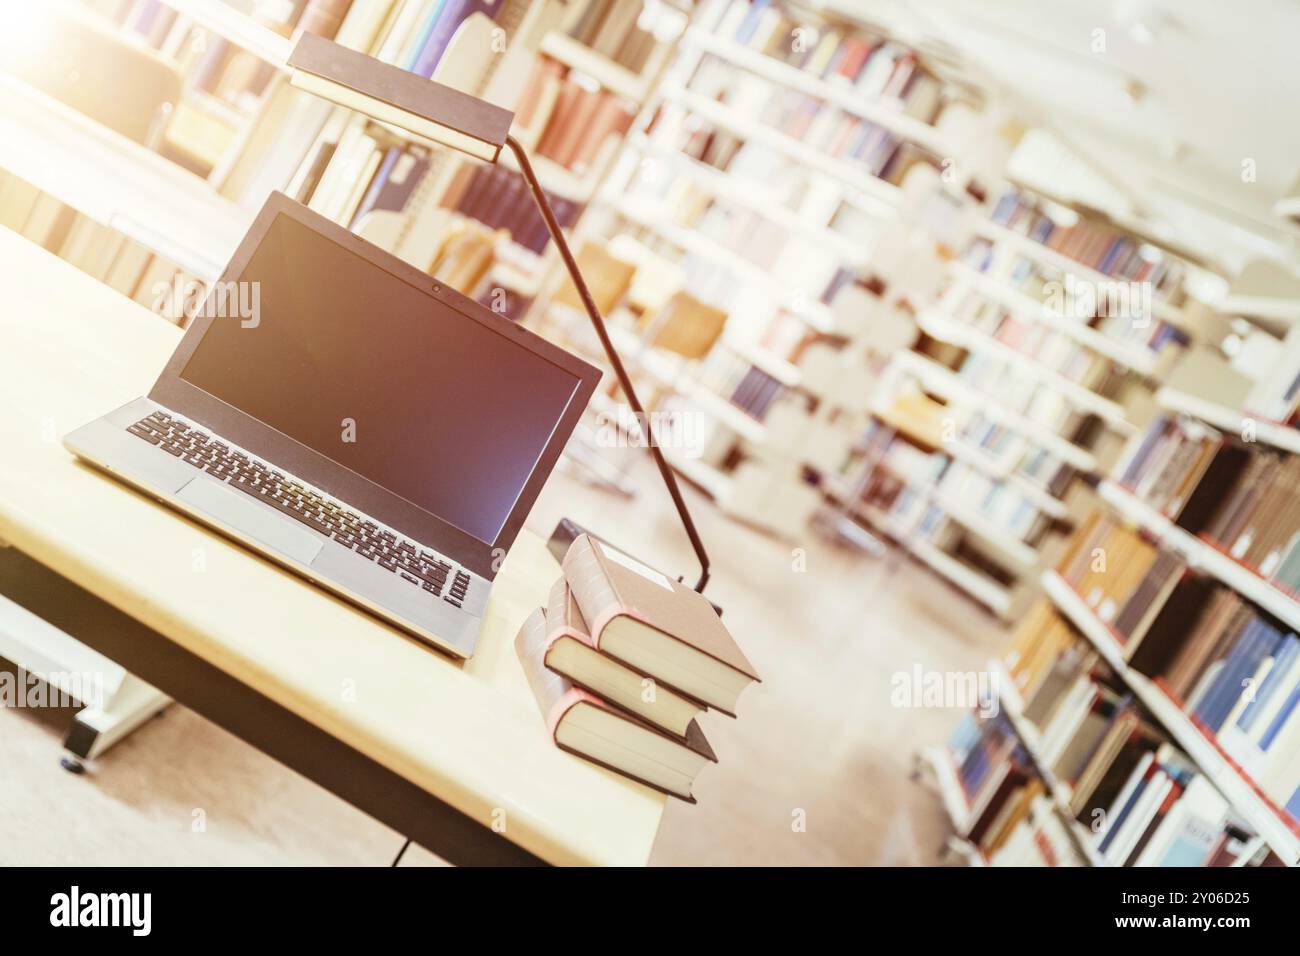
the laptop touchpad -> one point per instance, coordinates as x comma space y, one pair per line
243, 514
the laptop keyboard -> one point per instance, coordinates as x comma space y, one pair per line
412, 563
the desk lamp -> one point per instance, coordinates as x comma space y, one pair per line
447, 116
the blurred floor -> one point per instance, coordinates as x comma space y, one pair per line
815, 770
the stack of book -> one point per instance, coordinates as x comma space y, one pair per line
623, 661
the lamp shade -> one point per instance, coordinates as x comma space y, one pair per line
400, 98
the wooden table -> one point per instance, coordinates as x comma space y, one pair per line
453, 755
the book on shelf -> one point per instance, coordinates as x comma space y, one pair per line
847, 58
1010, 819
1098, 246
1228, 664
1142, 801
656, 625
587, 726
323, 17
574, 117
498, 198
610, 28
1242, 497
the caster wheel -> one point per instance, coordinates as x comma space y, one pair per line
72, 765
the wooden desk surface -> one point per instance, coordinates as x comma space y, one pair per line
72, 349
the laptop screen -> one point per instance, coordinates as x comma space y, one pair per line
381, 378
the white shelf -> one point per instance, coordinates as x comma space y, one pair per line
1260, 307
714, 482
1065, 264
951, 794
726, 413
1230, 420
1021, 554
1230, 782
754, 195
117, 182
1202, 556
982, 461
578, 56
844, 96
987, 591
239, 28
1288, 207
943, 381
955, 333
848, 173
698, 244
1137, 357
554, 178
767, 362
1060, 792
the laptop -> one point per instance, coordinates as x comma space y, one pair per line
354, 420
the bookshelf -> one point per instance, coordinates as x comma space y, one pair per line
239, 28
940, 327
1003, 356
1261, 307
1060, 792
1138, 358
1177, 653
839, 95
881, 192
717, 213
939, 762
943, 381
1230, 420
609, 74
116, 181
1241, 792
1202, 555
1064, 264
759, 197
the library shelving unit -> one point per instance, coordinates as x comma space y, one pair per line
760, 174
963, 815
1169, 496
938, 761
1277, 434
136, 190
1244, 796
1017, 382
116, 182
1201, 555
1059, 791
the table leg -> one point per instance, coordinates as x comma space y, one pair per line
95, 729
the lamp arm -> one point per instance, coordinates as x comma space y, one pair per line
553, 227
